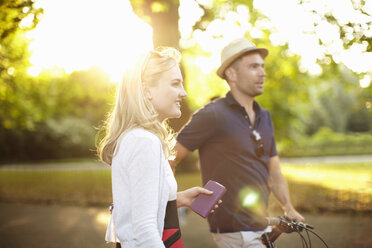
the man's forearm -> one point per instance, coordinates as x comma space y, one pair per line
280, 190
180, 152
279, 185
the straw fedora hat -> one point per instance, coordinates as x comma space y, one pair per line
234, 50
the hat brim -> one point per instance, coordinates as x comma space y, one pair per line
221, 70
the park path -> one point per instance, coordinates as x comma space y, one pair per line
57, 166
42, 226
56, 226
329, 159
95, 165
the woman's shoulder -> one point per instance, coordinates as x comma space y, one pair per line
140, 134
138, 141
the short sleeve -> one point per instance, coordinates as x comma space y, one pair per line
199, 129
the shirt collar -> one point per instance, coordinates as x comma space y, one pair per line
231, 101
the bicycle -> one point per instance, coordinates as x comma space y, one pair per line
283, 224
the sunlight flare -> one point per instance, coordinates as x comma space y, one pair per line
77, 35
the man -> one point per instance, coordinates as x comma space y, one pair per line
235, 138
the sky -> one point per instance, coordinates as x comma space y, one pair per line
79, 34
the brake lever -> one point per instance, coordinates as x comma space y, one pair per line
285, 225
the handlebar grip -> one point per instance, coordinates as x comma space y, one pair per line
286, 224
273, 221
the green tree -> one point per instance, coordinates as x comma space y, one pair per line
69, 109
16, 16
49, 116
338, 102
16, 107
352, 30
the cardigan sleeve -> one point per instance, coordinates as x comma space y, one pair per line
142, 172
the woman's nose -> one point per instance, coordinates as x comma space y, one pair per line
183, 93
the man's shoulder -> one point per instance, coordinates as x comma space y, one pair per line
266, 113
263, 111
216, 105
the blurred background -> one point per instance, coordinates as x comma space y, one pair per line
60, 62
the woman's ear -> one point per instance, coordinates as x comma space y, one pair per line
147, 93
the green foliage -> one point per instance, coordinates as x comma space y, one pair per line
16, 17
352, 30
286, 96
202, 87
55, 116
326, 142
17, 108
338, 102
13, 12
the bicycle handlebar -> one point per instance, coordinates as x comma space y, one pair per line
287, 225
284, 224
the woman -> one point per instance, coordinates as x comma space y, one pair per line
137, 145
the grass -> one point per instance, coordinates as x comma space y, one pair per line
85, 187
334, 187
348, 177
313, 188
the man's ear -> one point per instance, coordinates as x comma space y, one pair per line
230, 74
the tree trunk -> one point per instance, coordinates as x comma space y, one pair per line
165, 33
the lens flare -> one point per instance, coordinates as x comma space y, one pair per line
249, 198
251, 201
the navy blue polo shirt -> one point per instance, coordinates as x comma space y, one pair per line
222, 132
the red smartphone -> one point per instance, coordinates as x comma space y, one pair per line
203, 204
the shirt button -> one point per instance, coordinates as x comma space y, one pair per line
246, 116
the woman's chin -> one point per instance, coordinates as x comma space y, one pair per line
176, 115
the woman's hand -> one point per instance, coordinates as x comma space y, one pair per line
186, 197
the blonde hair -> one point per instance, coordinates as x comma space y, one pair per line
132, 109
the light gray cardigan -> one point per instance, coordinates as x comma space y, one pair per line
140, 190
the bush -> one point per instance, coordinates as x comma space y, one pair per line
67, 137
53, 116
325, 143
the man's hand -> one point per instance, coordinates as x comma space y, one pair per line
186, 197
294, 215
